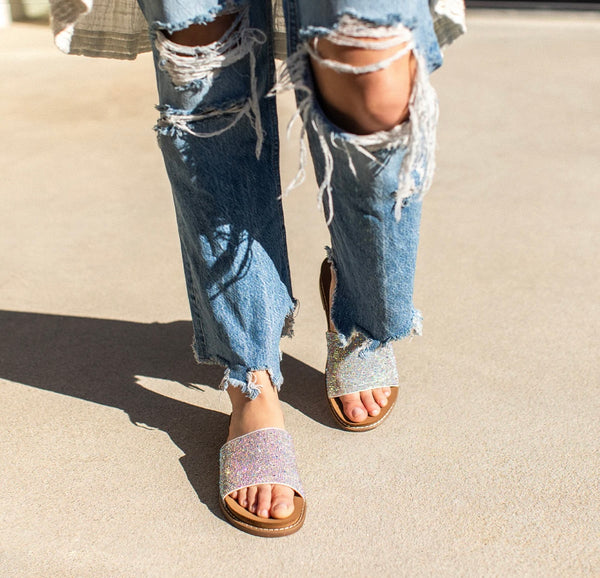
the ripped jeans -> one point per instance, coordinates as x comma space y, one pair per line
218, 134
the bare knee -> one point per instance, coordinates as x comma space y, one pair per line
366, 102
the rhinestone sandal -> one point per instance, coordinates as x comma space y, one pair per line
264, 456
347, 371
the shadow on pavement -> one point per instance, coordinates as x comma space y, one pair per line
97, 360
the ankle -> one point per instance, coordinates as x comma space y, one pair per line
251, 414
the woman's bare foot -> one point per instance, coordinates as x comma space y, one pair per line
267, 500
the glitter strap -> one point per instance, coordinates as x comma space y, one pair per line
264, 456
352, 367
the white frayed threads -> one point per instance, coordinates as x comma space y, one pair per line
312, 49
186, 65
417, 324
291, 77
250, 388
325, 187
180, 121
290, 320
358, 34
418, 164
351, 69
351, 27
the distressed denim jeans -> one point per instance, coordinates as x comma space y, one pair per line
218, 134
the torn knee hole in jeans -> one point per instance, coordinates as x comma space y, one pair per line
197, 67
417, 135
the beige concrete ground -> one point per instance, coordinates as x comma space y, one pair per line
109, 433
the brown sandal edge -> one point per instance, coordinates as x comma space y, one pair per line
252, 524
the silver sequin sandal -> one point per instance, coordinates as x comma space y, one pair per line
347, 371
264, 456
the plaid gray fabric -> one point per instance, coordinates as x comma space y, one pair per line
117, 28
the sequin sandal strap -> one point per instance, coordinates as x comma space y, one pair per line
264, 456
351, 369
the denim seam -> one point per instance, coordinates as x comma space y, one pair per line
194, 308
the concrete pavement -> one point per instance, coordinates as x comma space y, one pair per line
109, 433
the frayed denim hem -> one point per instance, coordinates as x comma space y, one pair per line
248, 385
240, 376
369, 345
290, 320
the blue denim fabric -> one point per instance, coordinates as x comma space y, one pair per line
218, 135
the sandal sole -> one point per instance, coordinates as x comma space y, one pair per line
246, 521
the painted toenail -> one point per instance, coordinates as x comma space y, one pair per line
264, 513
383, 402
375, 411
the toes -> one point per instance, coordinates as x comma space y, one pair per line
358, 406
282, 502
252, 493
380, 396
353, 407
372, 407
241, 497
266, 500
263, 500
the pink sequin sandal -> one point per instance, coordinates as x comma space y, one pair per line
264, 456
348, 372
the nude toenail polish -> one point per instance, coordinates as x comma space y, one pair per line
383, 402
264, 513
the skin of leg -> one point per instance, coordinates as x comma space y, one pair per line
364, 104
264, 411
